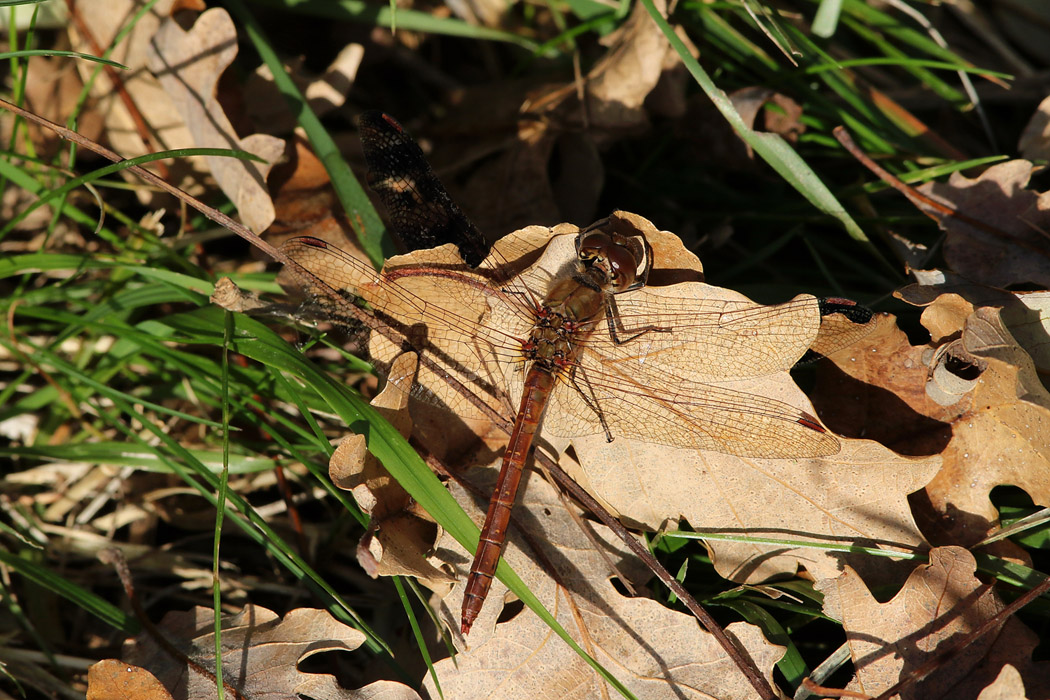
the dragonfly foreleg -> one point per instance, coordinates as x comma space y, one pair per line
618, 332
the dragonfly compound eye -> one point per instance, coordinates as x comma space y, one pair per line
594, 245
622, 266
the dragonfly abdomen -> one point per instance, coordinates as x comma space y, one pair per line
538, 385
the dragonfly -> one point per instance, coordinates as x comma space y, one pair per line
573, 334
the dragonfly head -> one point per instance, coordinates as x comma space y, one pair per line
622, 257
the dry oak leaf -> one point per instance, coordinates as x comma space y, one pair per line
941, 602
654, 651
877, 389
1029, 324
400, 535
188, 66
111, 679
999, 432
260, 655
1010, 244
324, 93
976, 400
1008, 685
1034, 143
858, 496
620, 81
104, 19
1025, 314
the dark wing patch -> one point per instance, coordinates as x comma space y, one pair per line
422, 213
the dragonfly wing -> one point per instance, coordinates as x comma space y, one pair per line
707, 339
421, 211
437, 314
662, 408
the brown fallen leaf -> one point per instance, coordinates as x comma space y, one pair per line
750, 100
188, 66
858, 496
1025, 314
1008, 243
941, 602
111, 679
876, 389
260, 654
53, 93
999, 433
400, 535
305, 203
1034, 142
324, 93
137, 117
979, 383
1008, 685
656, 652
524, 131
617, 85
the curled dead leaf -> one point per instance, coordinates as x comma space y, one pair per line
261, 653
188, 66
998, 235
400, 535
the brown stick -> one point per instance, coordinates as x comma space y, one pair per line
926, 204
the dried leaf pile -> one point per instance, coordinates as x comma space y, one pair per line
895, 532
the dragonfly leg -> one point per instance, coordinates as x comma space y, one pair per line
590, 399
616, 327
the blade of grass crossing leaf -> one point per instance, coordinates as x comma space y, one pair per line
935, 172
773, 149
791, 664
805, 544
220, 508
417, 633
52, 52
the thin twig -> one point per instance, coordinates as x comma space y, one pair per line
115, 557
